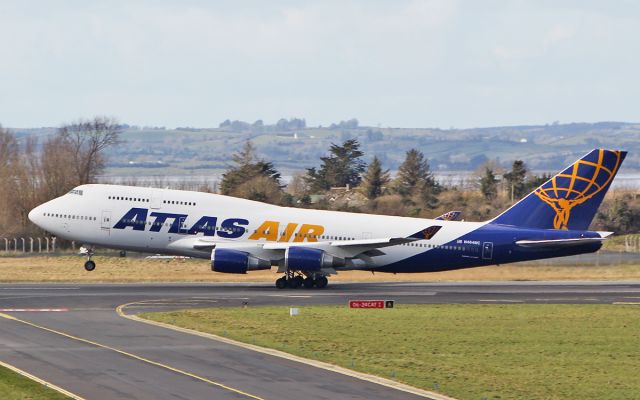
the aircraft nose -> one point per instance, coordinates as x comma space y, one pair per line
36, 214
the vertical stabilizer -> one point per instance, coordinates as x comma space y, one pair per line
570, 199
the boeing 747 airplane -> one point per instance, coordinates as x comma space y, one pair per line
307, 246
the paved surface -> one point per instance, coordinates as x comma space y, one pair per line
93, 352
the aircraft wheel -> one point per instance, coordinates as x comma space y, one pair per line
89, 265
281, 283
295, 282
321, 282
308, 283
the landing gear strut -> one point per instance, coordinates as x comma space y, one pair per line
294, 280
89, 265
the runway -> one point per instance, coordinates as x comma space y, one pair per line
70, 335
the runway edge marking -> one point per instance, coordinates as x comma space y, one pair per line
131, 355
277, 353
40, 381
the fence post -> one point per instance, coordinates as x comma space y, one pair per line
626, 244
30, 244
47, 239
53, 244
23, 244
15, 245
6, 244
39, 245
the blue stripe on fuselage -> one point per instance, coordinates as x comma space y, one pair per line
503, 249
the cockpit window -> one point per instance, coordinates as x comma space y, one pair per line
76, 192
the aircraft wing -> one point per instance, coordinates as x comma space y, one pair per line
346, 248
363, 249
340, 248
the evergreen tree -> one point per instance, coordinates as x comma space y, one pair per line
621, 218
489, 184
374, 180
415, 181
535, 181
248, 167
341, 168
516, 179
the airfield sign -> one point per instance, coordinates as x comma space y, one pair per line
371, 303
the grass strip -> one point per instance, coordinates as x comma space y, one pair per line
14, 386
465, 351
114, 269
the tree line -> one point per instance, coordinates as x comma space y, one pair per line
414, 191
32, 173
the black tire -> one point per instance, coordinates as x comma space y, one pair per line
308, 283
281, 283
295, 282
89, 265
322, 282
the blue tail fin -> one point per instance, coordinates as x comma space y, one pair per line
570, 199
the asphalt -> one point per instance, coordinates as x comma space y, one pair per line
88, 349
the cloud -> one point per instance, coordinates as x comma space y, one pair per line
402, 63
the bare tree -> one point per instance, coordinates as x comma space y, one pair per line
87, 140
28, 181
9, 153
58, 173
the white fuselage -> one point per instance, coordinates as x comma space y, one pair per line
97, 215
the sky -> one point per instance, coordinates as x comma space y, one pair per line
393, 63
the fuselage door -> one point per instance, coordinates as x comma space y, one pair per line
487, 250
182, 227
156, 199
105, 221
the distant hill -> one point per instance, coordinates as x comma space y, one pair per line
294, 147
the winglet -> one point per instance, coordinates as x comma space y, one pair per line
426, 233
450, 216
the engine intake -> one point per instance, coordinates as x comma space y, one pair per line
236, 262
310, 259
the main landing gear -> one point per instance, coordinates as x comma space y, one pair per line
294, 281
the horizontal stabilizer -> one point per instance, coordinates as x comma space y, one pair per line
558, 243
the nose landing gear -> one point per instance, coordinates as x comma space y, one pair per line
89, 265
89, 251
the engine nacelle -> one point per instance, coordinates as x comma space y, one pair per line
310, 259
236, 262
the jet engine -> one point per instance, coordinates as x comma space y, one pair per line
236, 262
310, 259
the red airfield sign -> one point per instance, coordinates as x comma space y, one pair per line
371, 303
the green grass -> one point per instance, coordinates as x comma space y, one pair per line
14, 386
466, 351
